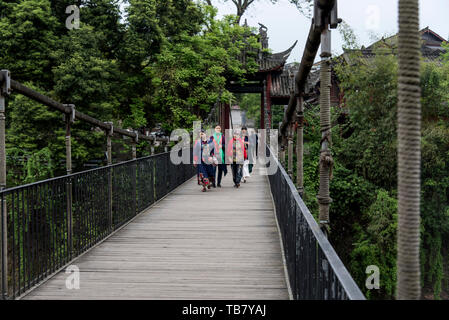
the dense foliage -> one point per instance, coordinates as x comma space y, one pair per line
364, 211
138, 65
364, 184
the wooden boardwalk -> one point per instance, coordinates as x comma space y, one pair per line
223, 244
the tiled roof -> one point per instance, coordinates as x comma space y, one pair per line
431, 47
276, 60
282, 83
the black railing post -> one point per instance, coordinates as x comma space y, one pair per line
109, 135
300, 146
290, 150
69, 216
4, 250
69, 119
314, 268
134, 173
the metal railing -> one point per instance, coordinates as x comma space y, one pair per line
47, 224
315, 271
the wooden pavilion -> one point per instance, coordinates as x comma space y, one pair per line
272, 81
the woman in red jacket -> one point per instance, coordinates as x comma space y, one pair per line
236, 155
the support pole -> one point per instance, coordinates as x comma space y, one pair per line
282, 155
326, 161
262, 108
152, 149
109, 135
134, 180
5, 89
69, 119
290, 151
3, 250
134, 145
284, 147
300, 147
268, 102
409, 152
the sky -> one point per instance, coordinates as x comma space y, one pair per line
370, 19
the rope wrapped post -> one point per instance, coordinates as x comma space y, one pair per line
5, 89
282, 154
69, 119
135, 141
134, 145
409, 152
152, 148
326, 161
290, 150
109, 134
300, 147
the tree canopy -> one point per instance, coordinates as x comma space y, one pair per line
151, 62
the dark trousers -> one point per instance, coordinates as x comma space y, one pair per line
219, 171
236, 172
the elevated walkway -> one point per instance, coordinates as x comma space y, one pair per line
222, 244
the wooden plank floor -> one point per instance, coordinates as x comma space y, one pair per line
223, 244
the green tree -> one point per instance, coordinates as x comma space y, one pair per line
250, 103
367, 146
190, 75
376, 245
31, 129
28, 37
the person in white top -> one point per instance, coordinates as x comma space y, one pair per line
245, 171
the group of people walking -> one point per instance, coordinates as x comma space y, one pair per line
211, 155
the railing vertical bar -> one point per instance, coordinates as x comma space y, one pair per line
3, 248
69, 218
88, 211
53, 247
85, 214
134, 184
40, 217
24, 260
80, 214
33, 239
13, 245
19, 247
30, 235
46, 250
35, 244
91, 221
111, 225
76, 219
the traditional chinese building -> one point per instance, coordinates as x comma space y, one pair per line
270, 81
431, 50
